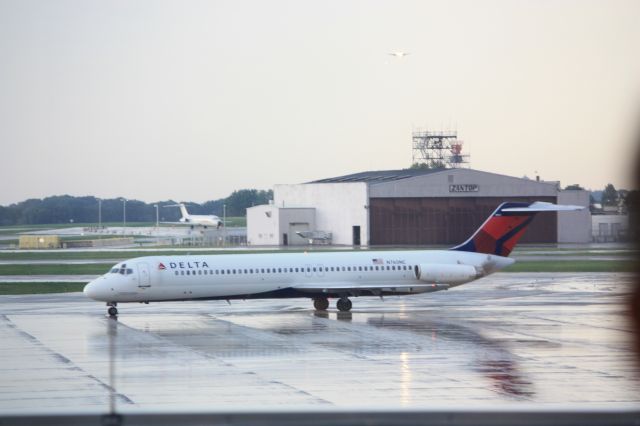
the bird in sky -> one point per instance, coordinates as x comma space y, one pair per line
399, 54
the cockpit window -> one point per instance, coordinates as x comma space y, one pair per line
114, 271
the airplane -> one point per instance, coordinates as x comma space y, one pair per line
323, 275
195, 219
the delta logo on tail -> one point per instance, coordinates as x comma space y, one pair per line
499, 234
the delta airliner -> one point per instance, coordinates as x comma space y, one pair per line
319, 276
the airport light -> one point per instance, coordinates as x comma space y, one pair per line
99, 213
224, 224
124, 214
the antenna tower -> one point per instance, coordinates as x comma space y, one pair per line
438, 149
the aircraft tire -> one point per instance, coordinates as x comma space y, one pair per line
321, 304
112, 311
344, 304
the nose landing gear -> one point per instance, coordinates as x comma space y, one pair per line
344, 304
112, 310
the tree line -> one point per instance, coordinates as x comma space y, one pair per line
67, 209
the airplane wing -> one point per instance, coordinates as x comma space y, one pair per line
366, 288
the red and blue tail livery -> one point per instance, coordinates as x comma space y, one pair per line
503, 229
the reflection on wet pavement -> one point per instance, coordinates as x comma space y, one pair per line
542, 338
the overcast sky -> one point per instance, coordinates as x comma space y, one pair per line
190, 100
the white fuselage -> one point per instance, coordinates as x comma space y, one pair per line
328, 274
204, 220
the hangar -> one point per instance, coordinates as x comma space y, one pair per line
409, 207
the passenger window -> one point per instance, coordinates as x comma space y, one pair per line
280, 270
217, 271
251, 270
222, 271
176, 272
348, 268
181, 272
308, 269
359, 268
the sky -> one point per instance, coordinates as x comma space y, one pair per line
190, 100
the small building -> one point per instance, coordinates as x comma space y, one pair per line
609, 228
279, 226
30, 242
411, 207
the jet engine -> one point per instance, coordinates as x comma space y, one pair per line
445, 274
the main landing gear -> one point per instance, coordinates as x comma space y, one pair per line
112, 310
343, 304
321, 304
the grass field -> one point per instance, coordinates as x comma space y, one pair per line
62, 269
39, 288
573, 266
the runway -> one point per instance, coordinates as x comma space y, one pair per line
510, 339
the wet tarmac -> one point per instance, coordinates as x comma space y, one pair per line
510, 339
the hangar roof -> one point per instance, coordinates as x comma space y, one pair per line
380, 176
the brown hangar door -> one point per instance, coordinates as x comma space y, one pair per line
422, 221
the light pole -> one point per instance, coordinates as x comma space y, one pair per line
224, 224
99, 213
124, 214
156, 206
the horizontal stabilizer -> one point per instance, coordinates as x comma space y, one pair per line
540, 206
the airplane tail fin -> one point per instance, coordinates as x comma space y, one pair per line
503, 229
183, 211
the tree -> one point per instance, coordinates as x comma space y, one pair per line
574, 187
610, 196
434, 164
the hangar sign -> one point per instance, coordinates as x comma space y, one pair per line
467, 187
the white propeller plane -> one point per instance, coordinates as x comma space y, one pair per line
319, 276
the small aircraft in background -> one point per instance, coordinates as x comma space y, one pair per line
195, 219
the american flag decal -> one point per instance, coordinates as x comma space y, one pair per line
377, 261
161, 266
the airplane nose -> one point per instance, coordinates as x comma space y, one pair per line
91, 290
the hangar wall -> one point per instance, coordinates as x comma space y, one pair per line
271, 225
414, 207
460, 183
574, 227
450, 221
339, 207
